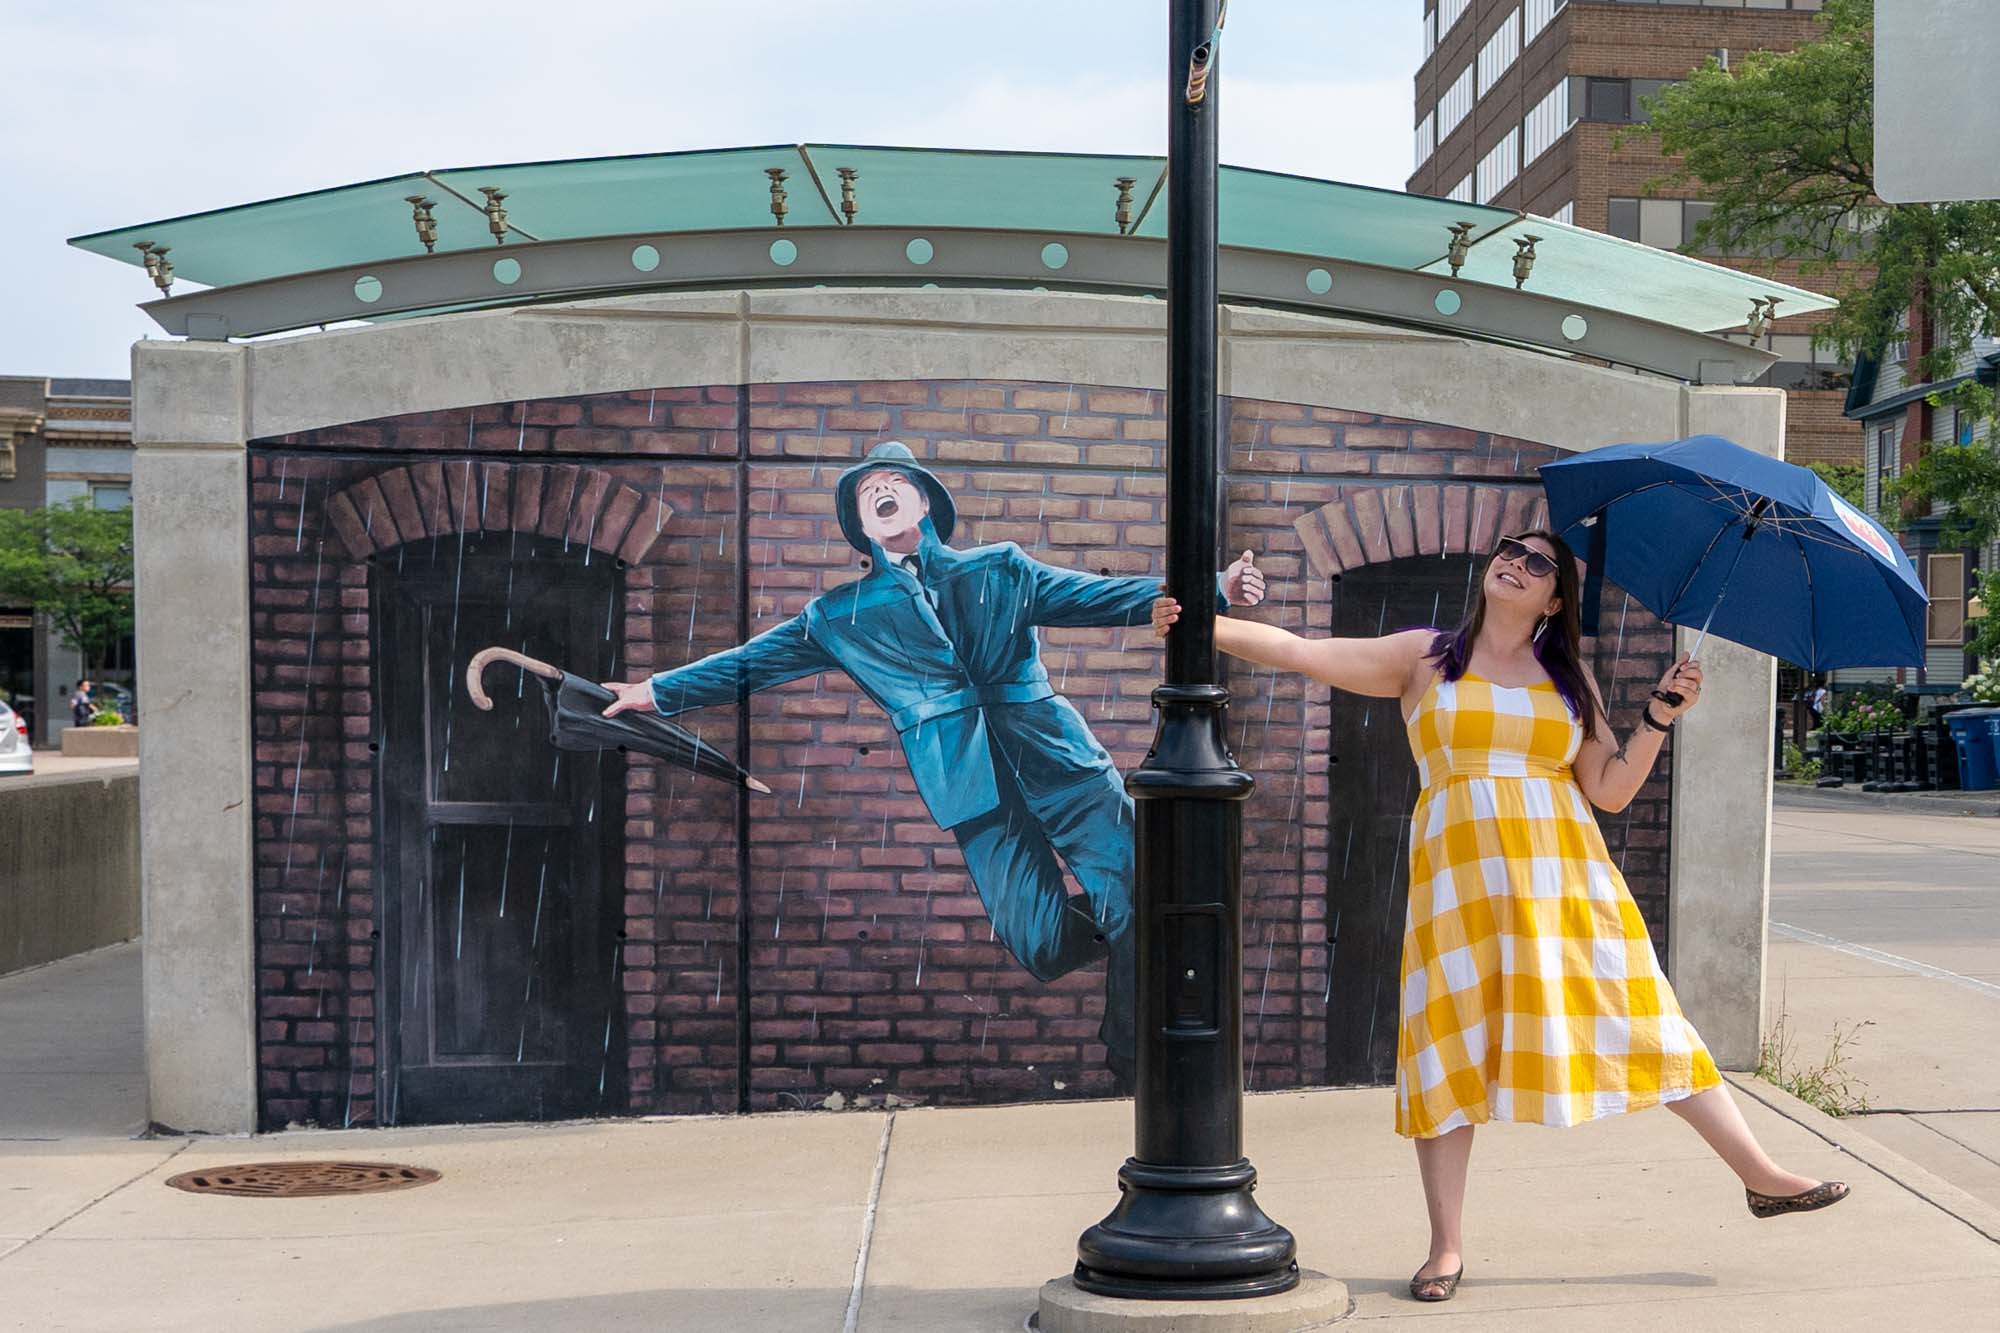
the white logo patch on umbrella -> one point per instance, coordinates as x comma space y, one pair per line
1867, 533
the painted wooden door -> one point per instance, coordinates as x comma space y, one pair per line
501, 858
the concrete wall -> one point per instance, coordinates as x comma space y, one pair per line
195, 407
1721, 855
69, 865
193, 585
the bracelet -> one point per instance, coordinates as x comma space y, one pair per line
1646, 716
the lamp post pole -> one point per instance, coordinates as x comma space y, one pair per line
1186, 1226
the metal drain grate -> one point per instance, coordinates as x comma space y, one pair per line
302, 1180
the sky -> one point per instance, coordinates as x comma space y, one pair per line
121, 113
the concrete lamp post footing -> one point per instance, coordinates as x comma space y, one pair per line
1316, 1302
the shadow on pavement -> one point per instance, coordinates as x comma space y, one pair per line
670, 1311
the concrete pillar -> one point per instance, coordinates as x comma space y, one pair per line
1719, 899
191, 499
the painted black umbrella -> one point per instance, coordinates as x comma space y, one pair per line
577, 722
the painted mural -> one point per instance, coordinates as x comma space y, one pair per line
854, 832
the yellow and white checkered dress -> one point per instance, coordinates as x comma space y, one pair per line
1531, 991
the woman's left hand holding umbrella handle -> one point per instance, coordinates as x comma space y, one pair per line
1680, 690
634, 696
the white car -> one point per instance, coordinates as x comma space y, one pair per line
16, 755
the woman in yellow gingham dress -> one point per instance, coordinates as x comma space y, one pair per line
1530, 989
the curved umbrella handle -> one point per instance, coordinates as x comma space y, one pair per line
481, 659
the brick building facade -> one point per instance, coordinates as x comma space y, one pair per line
821, 946
1565, 101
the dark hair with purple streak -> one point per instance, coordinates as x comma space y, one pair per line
1559, 650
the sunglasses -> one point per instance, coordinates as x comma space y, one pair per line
1513, 548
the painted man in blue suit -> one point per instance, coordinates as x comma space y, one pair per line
944, 642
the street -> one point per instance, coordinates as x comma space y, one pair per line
1892, 919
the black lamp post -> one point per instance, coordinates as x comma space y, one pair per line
1186, 1226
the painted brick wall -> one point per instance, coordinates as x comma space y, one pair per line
871, 970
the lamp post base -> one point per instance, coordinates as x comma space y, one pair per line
1317, 1301
1186, 1234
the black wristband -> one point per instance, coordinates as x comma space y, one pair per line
1646, 716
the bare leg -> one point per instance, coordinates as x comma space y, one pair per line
1443, 1162
1716, 1117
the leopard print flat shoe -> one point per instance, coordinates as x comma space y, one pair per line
1823, 1195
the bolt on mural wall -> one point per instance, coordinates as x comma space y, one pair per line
854, 832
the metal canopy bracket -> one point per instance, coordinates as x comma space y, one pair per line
878, 256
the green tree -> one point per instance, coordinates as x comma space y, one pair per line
1985, 643
1783, 143
73, 564
1847, 480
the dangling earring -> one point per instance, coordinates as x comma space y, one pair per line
1541, 628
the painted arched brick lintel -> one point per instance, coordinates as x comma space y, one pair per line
1368, 525
572, 502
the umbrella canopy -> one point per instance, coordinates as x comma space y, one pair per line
577, 722
1807, 577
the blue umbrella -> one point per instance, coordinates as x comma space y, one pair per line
1807, 577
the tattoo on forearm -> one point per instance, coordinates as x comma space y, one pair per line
1623, 746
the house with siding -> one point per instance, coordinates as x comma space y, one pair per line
1900, 421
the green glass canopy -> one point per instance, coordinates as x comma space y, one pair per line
723, 190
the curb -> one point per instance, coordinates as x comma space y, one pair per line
1939, 1193
1788, 796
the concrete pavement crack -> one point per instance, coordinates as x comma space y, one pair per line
853, 1320
78, 1212
1960, 1142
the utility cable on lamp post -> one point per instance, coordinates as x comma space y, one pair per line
1186, 1226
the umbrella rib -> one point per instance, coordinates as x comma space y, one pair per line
1695, 570
1812, 607
1921, 643
1741, 497
1747, 499
1803, 523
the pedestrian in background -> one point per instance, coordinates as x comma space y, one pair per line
80, 708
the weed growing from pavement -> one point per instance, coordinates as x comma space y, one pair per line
1802, 769
1827, 1086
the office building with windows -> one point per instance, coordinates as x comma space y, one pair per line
1520, 103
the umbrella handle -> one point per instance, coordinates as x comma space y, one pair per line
485, 656
1753, 521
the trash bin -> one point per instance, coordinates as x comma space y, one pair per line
1976, 731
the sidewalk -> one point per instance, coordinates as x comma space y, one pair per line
1885, 927
940, 1220
54, 763
72, 1054
760, 1223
